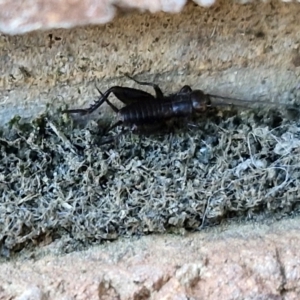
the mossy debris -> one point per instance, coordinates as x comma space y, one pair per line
55, 180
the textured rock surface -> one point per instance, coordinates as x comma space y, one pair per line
243, 262
16, 18
249, 51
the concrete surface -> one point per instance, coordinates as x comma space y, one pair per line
26, 16
250, 51
235, 262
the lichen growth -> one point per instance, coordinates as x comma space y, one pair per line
56, 181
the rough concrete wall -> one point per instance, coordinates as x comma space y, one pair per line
250, 51
36, 14
243, 262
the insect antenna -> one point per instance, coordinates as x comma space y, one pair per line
218, 100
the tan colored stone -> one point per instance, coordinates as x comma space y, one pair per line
238, 262
27, 16
229, 49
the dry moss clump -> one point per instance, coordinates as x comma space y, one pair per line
56, 181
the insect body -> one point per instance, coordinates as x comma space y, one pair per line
182, 104
143, 109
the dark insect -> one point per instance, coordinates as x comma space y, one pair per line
143, 111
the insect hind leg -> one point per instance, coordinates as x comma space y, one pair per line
113, 126
118, 91
114, 138
104, 98
158, 91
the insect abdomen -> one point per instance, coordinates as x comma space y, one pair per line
142, 112
147, 112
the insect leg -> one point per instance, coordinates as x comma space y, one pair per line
185, 89
115, 109
124, 94
114, 126
158, 92
93, 107
113, 138
130, 95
